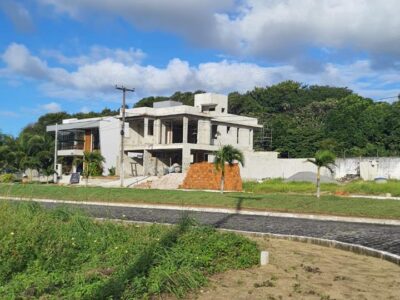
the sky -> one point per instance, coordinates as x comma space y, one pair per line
68, 55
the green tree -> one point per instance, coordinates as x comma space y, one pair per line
323, 159
92, 164
227, 154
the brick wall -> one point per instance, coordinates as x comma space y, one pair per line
204, 176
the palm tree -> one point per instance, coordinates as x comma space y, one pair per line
323, 159
92, 163
227, 154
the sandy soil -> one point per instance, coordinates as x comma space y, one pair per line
304, 271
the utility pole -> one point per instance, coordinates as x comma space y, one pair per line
121, 156
55, 175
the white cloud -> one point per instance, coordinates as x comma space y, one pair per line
93, 81
184, 17
98, 53
280, 31
51, 107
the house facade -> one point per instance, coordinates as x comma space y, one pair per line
170, 133
76, 136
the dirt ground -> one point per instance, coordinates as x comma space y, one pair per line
305, 271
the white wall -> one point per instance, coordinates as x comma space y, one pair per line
109, 131
259, 165
388, 167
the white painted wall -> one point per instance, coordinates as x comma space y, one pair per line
109, 131
260, 165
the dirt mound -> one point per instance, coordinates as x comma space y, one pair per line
310, 177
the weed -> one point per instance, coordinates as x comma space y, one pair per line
338, 278
266, 283
314, 270
297, 287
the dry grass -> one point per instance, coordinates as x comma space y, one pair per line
304, 271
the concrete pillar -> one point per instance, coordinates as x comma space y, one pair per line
163, 133
147, 163
157, 131
251, 132
186, 158
185, 130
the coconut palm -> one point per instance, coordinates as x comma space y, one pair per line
323, 159
227, 154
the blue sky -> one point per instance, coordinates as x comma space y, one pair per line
63, 55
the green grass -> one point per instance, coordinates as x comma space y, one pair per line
328, 204
62, 254
354, 187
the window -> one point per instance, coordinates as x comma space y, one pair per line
223, 109
237, 136
211, 109
150, 127
214, 131
228, 128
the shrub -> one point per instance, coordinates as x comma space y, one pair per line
7, 178
111, 171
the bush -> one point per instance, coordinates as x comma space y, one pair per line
111, 171
7, 178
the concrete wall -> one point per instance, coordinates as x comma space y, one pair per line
259, 165
220, 101
109, 133
369, 167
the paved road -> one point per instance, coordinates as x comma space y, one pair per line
381, 237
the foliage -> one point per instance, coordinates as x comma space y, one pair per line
227, 154
92, 164
323, 159
7, 178
111, 171
63, 254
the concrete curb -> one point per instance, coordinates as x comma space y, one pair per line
217, 210
358, 249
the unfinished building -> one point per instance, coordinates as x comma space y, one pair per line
171, 136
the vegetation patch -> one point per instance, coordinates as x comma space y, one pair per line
64, 254
296, 203
355, 187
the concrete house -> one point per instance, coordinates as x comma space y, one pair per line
76, 136
170, 133
168, 136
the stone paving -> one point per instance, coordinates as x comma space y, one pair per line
380, 237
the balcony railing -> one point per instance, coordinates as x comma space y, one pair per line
70, 145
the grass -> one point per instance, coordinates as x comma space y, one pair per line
354, 187
328, 204
62, 254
